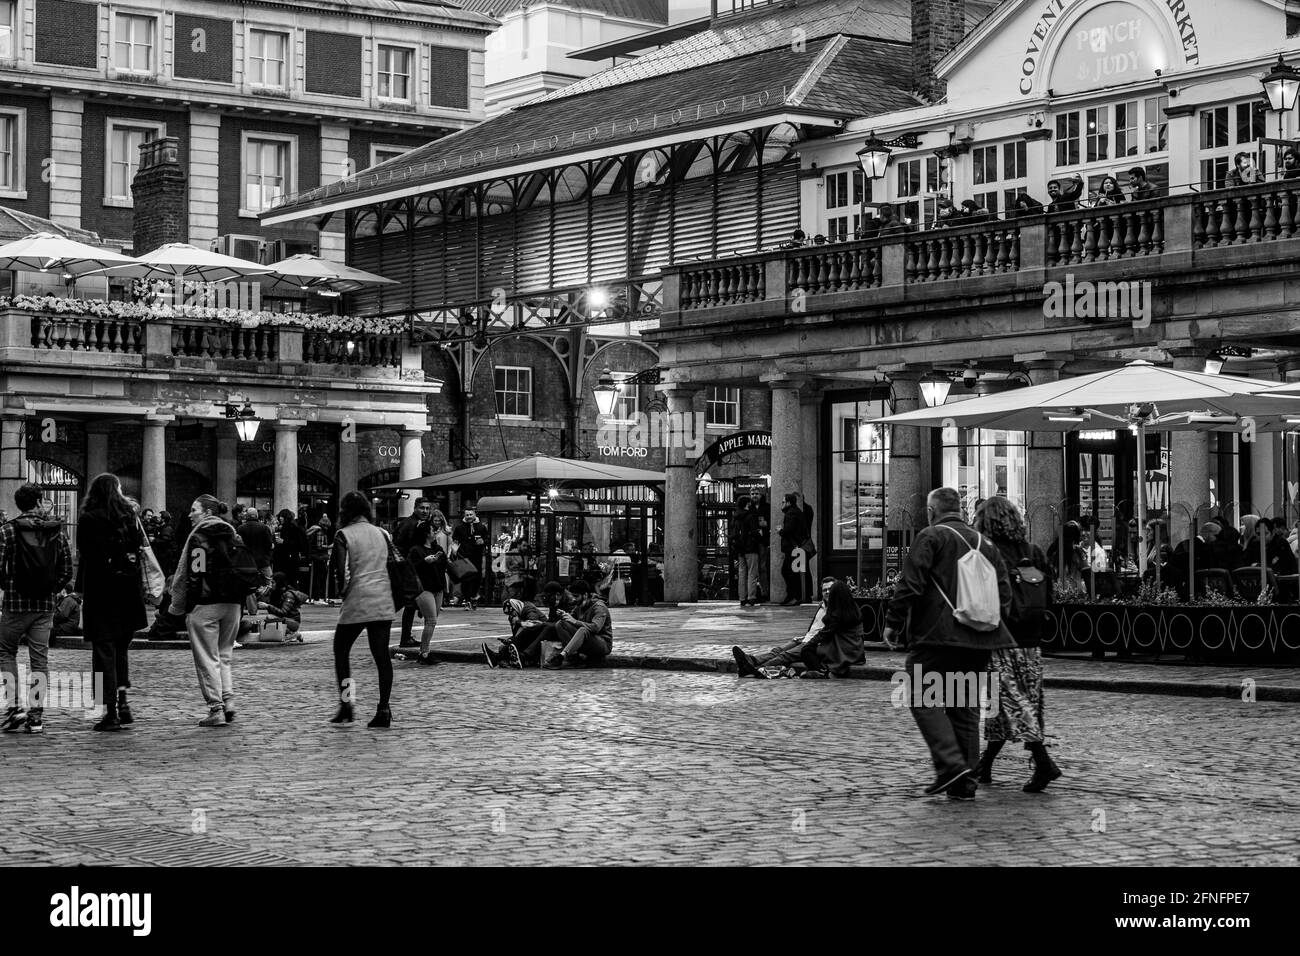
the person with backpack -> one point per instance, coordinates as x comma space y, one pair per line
35, 565
949, 605
215, 575
1019, 717
109, 539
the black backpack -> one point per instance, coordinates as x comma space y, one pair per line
229, 570
1028, 596
35, 562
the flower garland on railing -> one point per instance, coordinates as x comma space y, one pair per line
244, 318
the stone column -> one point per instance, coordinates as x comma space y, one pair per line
810, 402
1189, 465
1045, 481
347, 466
787, 468
96, 451
13, 460
681, 559
908, 486
412, 467
227, 464
153, 467
286, 467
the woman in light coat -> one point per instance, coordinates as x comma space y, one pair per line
360, 566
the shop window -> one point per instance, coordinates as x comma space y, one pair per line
918, 184
981, 463
268, 57
1110, 137
125, 137
1224, 132
63, 490
859, 474
722, 407
844, 195
514, 391
133, 43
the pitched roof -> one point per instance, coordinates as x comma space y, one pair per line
651, 11
441, 12
14, 224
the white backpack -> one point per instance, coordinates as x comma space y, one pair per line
978, 605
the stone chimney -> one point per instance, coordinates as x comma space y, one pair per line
937, 27
159, 194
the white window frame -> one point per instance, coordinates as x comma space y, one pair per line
1003, 188
1115, 165
627, 403
18, 117
843, 192
155, 32
286, 63
711, 404
15, 31
111, 124
498, 391
412, 77
376, 148
925, 198
1233, 146
291, 172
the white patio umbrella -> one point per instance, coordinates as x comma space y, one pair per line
180, 260
312, 273
47, 252
1138, 395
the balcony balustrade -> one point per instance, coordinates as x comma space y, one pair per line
1133, 240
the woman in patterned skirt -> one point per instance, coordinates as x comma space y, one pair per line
1019, 718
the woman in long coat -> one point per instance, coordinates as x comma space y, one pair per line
109, 540
360, 565
831, 645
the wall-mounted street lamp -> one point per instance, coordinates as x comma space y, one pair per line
1215, 361
607, 387
1281, 85
935, 388
874, 156
245, 419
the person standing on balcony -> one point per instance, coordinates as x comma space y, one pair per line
360, 566
1290, 164
1025, 205
1109, 192
1244, 172
971, 211
1064, 194
108, 579
1138, 186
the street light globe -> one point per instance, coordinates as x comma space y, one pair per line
606, 392
874, 157
934, 390
1281, 84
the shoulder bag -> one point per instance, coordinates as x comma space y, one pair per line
152, 580
403, 580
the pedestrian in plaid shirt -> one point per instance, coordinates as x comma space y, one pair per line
35, 565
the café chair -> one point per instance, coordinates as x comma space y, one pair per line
1247, 582
1288, 588
1217, 579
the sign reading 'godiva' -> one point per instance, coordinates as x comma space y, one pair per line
1110, 44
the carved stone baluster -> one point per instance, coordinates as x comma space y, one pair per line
856, 271
909, 261
1090, 230
1104, 227
1074, 229
943, 257
1213, 216
1199, 239
1286, 214
1256, 227
823, 272
1229, 230
1270, 216
1052, 252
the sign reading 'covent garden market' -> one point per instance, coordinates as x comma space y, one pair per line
1113, 43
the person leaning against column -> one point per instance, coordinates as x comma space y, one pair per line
793, 533
360, 565
939, 644
108, 579
213, 621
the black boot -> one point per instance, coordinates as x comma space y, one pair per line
383, 717
344, 716
110, 719
986, 761
123, 709
1044, 770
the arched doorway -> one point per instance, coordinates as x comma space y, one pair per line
62, 487
315, 491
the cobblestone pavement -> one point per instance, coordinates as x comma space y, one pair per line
625, 766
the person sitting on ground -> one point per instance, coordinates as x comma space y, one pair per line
587, 631
1139, 188
282, 603
830, 646
527, 621
67, 615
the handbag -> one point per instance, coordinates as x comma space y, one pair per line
618, 593
402, 579
808, 548
152, 580
461, 568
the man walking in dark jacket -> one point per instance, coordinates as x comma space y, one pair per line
793, 532
404, 541
942, 652
471, 537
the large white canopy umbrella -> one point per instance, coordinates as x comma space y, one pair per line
312, 273
180, 260
46, 252
1139, 395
